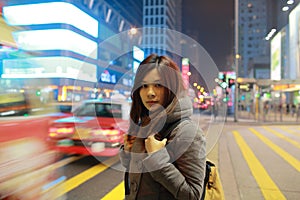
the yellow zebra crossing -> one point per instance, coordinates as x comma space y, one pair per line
268, 188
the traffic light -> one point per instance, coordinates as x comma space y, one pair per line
225, 99
38, 93
222, 80
223, 85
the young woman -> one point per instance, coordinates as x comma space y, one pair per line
164, 151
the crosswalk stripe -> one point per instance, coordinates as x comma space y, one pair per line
84, 176
286, 156
296, 144
290, 131
268, 188
116, 194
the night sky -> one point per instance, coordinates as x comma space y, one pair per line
210, 22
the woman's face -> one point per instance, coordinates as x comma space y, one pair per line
152, 92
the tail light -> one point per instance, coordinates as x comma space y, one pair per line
61, 132
106, 134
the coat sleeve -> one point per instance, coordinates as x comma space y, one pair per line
124, 157
180, 167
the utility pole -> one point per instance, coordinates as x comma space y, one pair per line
237, 57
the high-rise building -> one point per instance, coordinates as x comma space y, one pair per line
73, 53
257, 18
158, 16
253, 27
131, 10
118, 15
117, 20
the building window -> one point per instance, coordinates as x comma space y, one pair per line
151, 11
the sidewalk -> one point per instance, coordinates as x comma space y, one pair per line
221, 157
219, 153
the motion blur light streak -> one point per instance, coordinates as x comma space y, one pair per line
55, 66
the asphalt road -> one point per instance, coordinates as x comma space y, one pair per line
254, 161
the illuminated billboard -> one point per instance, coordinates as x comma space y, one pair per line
294, 49
276, 57
135, 66
185, 63
138, 54
55, 39
50, 13
49, 67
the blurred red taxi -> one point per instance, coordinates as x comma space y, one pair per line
96, 128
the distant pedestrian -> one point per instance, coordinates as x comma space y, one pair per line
265, 110
287, 108
279, 107
215, 110
293, 110
266, 107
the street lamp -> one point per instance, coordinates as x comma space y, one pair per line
132, 31
237, 58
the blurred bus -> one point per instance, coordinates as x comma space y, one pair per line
13, 104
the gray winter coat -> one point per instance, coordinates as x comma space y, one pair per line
174, 172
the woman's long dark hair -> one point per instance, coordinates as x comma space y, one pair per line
171, 80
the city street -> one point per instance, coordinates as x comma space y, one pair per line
255, 162
77, 78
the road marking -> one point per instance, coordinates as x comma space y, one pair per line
84, 176
290, 131
66, 161
286, 156
268, 188
296, 144
116, 194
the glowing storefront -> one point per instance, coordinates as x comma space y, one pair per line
61, 40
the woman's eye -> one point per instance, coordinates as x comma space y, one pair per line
144, 86
158, 85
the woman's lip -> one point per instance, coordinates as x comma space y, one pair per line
151, 103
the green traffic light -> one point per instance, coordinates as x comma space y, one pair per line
38, 93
